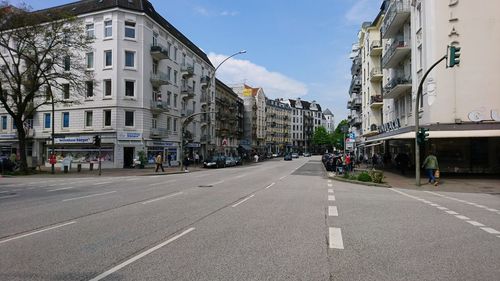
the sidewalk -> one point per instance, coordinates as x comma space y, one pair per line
447, 183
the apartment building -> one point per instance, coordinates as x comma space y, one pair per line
460, 105
306, 117
278, 123
354, 103
228, 120
148, 78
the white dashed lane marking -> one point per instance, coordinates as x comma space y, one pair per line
335, 238
330, 190
331, 197
465, 202
332, 211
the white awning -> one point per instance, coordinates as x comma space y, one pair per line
443, 134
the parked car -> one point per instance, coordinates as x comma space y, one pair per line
215, 162
295, 155
288, 157
307, 154
230, 162
238, 160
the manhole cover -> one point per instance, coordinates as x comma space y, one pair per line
204, 186
487, 187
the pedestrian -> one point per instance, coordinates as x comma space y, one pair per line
402, 161
186, 164
348, 162
159, 162
431, 165
169, 159
256, 157
374, 160
196, 158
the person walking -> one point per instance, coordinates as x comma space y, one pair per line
196, 158
159, 162
431, 165
186, 164
348, 163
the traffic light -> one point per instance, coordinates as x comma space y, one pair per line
453, 56
97, 140
422, 135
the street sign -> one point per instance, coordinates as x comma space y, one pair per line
224, 142
344, 129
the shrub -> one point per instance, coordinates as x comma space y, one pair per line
364, 177
377, 176
345, 175
353, 177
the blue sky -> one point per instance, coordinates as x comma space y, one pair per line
295, 48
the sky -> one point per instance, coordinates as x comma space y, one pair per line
295, 48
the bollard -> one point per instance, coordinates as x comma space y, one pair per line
79, 167
66, 169
91, 166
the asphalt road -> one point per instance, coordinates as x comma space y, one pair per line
276, 220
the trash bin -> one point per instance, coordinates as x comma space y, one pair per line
79, 167
91, 166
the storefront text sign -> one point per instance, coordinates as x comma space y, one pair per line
69, 140
193, 145
129, 136
161, 143
8, 136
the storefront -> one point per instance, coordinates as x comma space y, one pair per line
8, 144
128, 146
165, 148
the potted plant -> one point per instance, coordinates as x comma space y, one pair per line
142, 159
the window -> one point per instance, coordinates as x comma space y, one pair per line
175, 124
175, 77
175, 100
88, 118
89, 85
130, 29
129, 88
67, 63
155, 39
154, 123
108, 28
169, 72
175, 54
108, 58
129, 59
129, 118
4, 122
65, 91
107, 118
169, 123
90, 60
107, 87
169, 97
89, 30
65, 119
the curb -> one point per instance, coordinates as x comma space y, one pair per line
330, 175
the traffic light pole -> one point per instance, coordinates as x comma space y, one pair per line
417, 119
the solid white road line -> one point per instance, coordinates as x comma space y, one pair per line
331, 197
161, 198
332, 211
8, 196
335, 238
35, 232
462, 217
141, 255
452, 212
243, 200
282, 177
88, 196
330, 190
442, 208
101, 182
490, 230
269, 185
132, 179
160, 183
475, 223
435, 205
62, 188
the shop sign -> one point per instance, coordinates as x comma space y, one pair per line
161, 143
73, 140
390, 126
129, 136
8, 136
194, 145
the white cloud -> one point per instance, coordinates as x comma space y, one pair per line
275, 84
201, 11
229, 13
361, 11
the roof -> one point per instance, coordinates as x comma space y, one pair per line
305, 104
327, 112
227, 88
143, 6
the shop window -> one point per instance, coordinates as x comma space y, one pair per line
46, 121
65, 119
129, 118
107, 118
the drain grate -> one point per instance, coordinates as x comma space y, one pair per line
205, 186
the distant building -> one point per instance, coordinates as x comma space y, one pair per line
278, 119
329, 121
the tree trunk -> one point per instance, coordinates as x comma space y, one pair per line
21, 135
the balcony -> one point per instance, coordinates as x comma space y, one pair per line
376, 75
356, 66
187, 70
186, 112
397, 14
204, 99
396, 87
159, 106
395, 53
376, 101
158, 52
159, 78
356, 102
187, 92
158, 133
204, 81
355, 85
375, 48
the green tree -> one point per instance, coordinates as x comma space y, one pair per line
40, 53
321, 139
338, 135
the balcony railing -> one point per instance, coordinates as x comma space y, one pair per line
356, 66
398, 50
187, 70
159, 52
376, 74
158, 132
161, 106
396, 15
355, 85
396, 86
204, 99
204, 81
376, 101
159, 78
375, 48
187, 92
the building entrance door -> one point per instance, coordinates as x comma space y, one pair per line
128, 157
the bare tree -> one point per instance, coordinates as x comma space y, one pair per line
42, 56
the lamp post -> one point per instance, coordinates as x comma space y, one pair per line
212, 77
